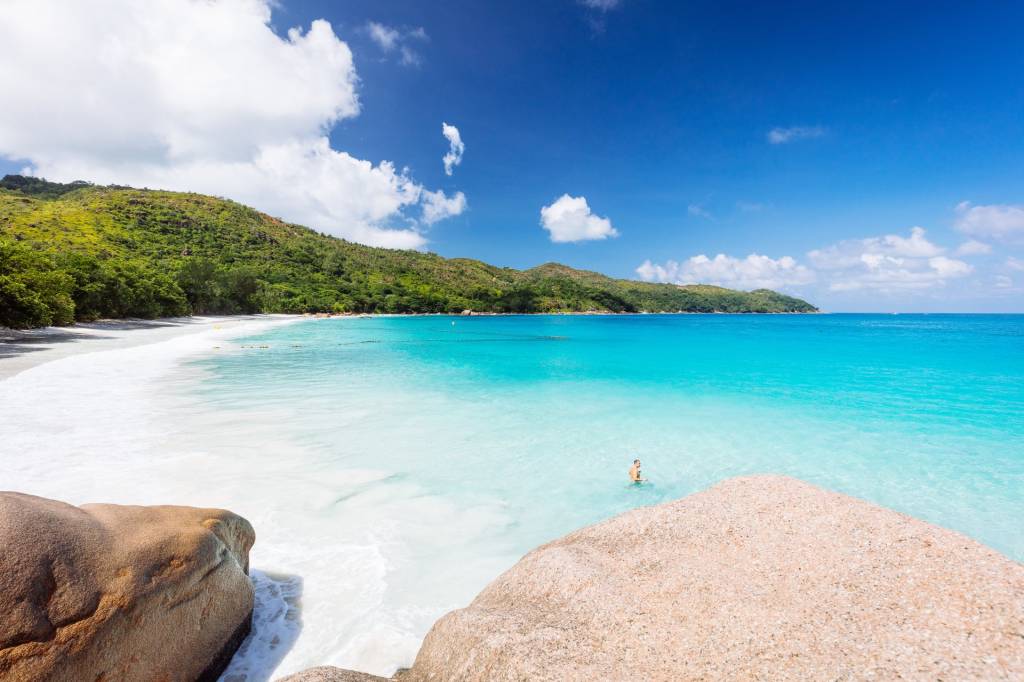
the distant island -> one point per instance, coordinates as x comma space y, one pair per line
76, 252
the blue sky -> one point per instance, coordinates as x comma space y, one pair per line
660, 116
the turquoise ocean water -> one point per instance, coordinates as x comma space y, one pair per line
439, 449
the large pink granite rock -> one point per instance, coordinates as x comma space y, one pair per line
116, 593
757, 578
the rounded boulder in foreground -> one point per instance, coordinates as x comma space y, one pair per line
110, 592
763, 577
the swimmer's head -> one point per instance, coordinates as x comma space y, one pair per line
636, 461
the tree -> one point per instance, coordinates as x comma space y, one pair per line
33, 293
197, 278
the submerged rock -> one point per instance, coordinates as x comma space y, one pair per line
109, 592
756, 578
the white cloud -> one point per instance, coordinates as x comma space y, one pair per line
753, 272
389, 39
597, 16
438, 206
199, 96
569, 219
997, 221
973, 247
410, 57
138, 81
455, 147
947, 268
385, 36
855, 252
888, 263
905, 265
698, 211
786, 135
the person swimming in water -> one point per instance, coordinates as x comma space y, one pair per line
634, 472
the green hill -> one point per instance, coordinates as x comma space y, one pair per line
78, 252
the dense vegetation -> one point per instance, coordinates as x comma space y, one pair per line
79, 252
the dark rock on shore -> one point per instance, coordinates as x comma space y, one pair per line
109, 592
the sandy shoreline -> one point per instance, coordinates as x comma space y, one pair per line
103, 401
23, 350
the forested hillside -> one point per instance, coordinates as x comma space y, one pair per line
80, 252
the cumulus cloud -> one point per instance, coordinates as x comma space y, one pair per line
455, 147
390, 39
753, 272
568, 219
792, 134
200, 96
1015, 264
973, 247
997, 221
949, 267
438, 206
889, 263
852, 251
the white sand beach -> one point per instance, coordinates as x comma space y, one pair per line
93, 413
23, 349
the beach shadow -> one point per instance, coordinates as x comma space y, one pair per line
14, 342
276, 624
127, 325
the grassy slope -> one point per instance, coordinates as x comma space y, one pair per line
316, 271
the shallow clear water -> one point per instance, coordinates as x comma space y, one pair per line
394, 466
